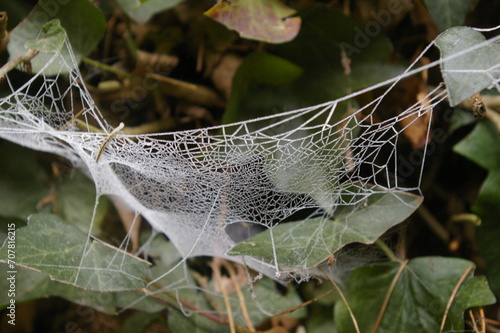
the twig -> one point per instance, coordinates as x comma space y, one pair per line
78, 114
453, 295
489, 103
434, 224
473, 322
152, 127
113, 132
232, 275
466, 217
491, 321
10, 65
202, 281
491, 329
483, 321
388, 252
190, 306
216, 270
280, 313
344, 299
388, 296
494, 117
87, 127
4, 34
159, 62
492, 101
105, 67
161, 299
189, 91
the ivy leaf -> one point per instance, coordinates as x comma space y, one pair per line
140, 321
51, 245
469, 73
32, 284
82, 21
141, 11
75, 202
23, 181
165, 258
258, 68
271, 300
482, 146
263, 20
316, 51
419, 298
305, 244
448, 13
51, 39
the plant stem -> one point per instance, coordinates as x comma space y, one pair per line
105, 67
434, 224
84, 126
212, 317
387, 250
10, 65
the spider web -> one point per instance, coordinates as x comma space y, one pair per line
209, 189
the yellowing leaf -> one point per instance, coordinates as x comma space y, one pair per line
263, 20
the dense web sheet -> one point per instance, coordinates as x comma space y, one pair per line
208, 189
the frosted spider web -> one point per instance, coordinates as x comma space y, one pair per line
194, 185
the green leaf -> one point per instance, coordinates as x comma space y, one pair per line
305, 244
482, 146
320, 320
487, 207
317, 52
83, 22
140, 321
23, 181
76, 201
165, 258
51, 39
459, 118
448, 13
31, 284
178, 322
419, 298
469, 73
142, 11
180, 281
264, 299
263, 20
51, 245
324, 35
258, 68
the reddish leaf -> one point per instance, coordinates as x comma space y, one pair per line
264, 20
